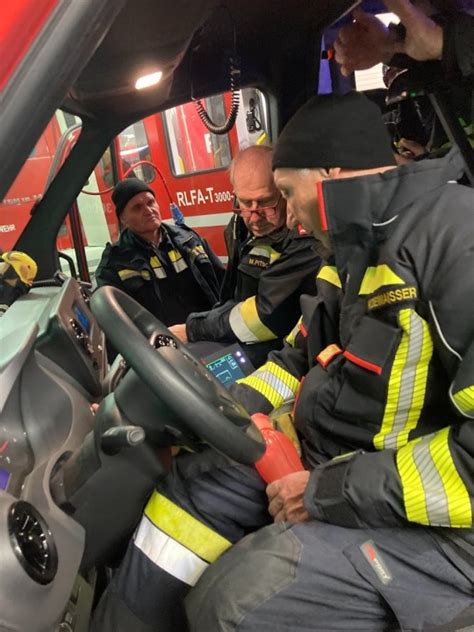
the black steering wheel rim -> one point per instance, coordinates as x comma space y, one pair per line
128, 326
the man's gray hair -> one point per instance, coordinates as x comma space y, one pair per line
254, 151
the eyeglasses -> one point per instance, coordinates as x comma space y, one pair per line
245, 210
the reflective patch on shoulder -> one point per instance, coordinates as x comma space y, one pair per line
376, 277
391, 297
374, 558
329, 274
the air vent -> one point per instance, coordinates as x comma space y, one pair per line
32, 542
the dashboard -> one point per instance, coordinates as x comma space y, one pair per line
52, 367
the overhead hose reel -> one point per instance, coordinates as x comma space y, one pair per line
234, 106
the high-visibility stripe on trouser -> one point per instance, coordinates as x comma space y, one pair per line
246, 324
176, 541
407, 382
433, 491
169, 555
464, 400
273, 382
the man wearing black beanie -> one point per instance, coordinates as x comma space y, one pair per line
168, 269
330, 137
375, 533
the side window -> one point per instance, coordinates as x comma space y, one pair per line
134, 147
96, 220
252, 123
35, 175
192, 147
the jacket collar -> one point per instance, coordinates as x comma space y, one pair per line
360, 213
272, 238
128, 239
169, 233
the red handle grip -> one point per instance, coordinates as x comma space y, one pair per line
281, 457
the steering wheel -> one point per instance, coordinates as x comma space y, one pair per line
175, 377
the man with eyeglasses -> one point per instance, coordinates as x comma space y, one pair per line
270, 266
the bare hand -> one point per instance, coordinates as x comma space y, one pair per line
410, 148
286, 498
367, 42
424, 38
362, 44
180, 332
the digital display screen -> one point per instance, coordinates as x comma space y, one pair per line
228, 368
82, 319
4, 478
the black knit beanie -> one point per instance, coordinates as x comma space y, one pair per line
335, 131
125, 190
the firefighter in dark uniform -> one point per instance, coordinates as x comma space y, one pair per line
377, 533
270, 266
170, 270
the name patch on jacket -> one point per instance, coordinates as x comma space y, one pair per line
392, 296
262, 256
260, 262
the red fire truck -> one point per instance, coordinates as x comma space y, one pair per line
173, 151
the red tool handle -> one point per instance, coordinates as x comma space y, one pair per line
281, 457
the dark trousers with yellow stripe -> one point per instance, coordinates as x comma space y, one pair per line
285, 578
206, 504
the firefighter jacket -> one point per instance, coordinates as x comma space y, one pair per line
263, 283
132, 265
382, 361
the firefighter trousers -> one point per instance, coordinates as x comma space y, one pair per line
281, 578
199, 510
325, 578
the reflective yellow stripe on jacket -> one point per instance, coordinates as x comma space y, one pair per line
246, 324
376, 277
177, 261
157, 267
126, 274
291, 338
329, 274
433, 491
407, 382
273, 382
464, 401
266, 252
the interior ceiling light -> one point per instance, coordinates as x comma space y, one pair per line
148, 80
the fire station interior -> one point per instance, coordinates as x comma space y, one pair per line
76, 482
